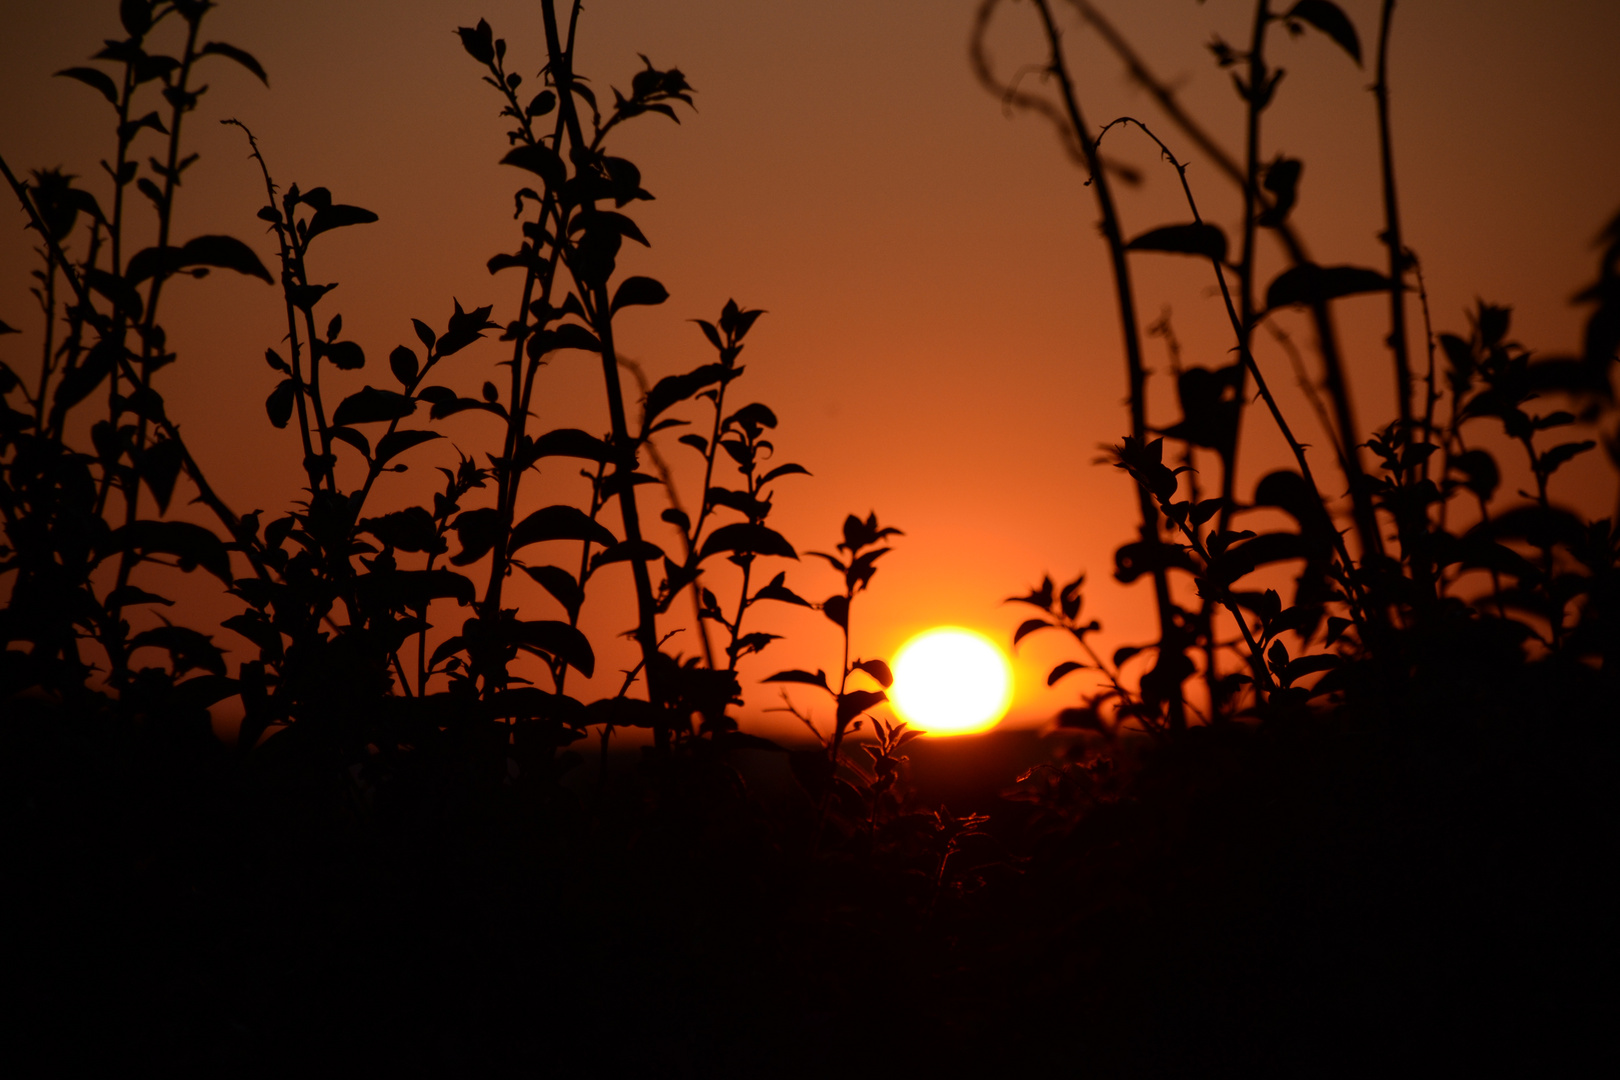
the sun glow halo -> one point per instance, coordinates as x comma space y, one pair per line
951, 681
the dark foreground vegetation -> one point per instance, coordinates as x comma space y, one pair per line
1364, 828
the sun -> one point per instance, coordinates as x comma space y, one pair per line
951, 681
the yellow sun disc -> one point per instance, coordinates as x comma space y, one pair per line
951, 681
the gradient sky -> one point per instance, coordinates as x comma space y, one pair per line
941, 345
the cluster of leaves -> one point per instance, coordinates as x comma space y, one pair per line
374, 635
1405, 602
78, 523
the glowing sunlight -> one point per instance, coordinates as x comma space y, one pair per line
951, 681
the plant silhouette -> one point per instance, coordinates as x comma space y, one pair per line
1345, 806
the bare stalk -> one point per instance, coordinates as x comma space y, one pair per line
1169, 632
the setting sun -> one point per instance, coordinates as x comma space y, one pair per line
951, 681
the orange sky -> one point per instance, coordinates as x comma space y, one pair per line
941, 344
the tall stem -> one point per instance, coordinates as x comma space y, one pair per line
1392, 231
1169, 633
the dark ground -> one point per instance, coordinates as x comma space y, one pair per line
1344, 896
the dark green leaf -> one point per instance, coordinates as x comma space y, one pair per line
638, 290
191, 544
877, 669
561, 585
778, 590
136, 15
1329, 18
337, 216
854, 702
1063, 669
747, 538
783, 470
95, 78
403, 363
558, 639
478, 530
352, 437
1308, 283
560, 522
1028, 627
627, 550
160, 466
541, 160
186, 647
673, 389
397, 442
371, 405
345, 355
794, 675
1193, 238
279, 405
410, 529
571, 442
231, 52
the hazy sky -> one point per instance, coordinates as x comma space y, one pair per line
941, 344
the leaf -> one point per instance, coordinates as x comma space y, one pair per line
1193, 238
560, 584
638, 290
1245, 558
624, 712
136, 15
1063, 669
626, 551
1329, 18
1549, 463
187, 648
410, 529
371, 405
1308, 283
541, 160
571, 442
747, 538
231, 52
1282, 180
424, 334
795, 675
478, 41
877, 669
397, 442
836, 608
1336, 627
337, 216
557, 639
777, 590
403, 363
94, 78
1028, 627
192, 544
854, 702
783, 470
478, 530
160, 466
225, 252
673, 389
415, 589
129, 594
279, 405
616, 222
345, 355
560, 522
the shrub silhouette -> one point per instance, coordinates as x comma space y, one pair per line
1349, 825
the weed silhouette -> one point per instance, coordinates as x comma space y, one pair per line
1314, 826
